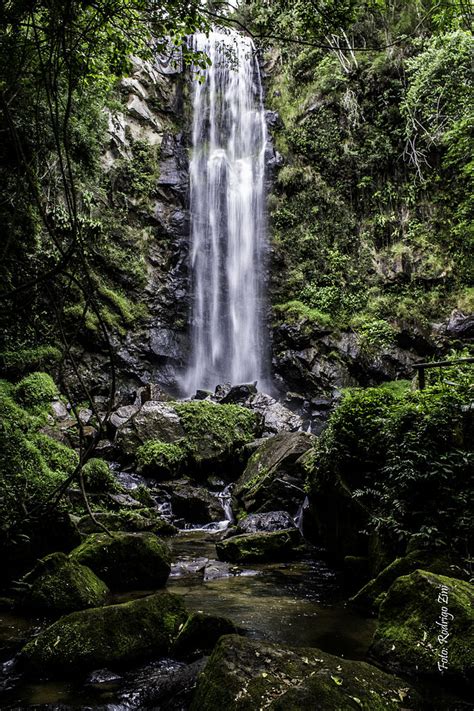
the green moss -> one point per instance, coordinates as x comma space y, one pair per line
27, 358
114, 636
126, 561
278, 545
59, 584
98, 476
161, 458
36, 390
212, 429
57, 456
370, 596
410, 625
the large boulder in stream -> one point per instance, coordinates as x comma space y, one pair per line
244, 675
126, 561
110, 637
274, 477
266, 522
426, 627
60, 584
260, 547
192, 437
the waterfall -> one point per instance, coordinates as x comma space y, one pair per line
227, 205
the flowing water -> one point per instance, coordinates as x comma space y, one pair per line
227, 203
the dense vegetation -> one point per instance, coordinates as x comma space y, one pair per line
372, 209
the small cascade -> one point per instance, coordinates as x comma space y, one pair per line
227, 205
300, 514
226, 498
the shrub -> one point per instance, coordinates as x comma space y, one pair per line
407, 457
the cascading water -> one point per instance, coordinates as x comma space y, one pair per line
227, 201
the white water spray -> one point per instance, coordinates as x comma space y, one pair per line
227, 201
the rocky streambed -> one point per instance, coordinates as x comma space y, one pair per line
200, 582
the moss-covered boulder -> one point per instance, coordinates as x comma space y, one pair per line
244, 675
168, 438
260, 547
59, 584
200, 634
111, 636
126, 561
371, 595
145, 520
426, 626
274, 477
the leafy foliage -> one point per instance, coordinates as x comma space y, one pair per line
407, 457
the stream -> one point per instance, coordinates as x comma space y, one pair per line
298, 604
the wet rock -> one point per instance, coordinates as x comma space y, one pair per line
59, 410
124, 501
422, 614
460, 325
109, 637
244, 674
59, 584
122, 415
126, 561
261, 547
268, 522
240, 393
195, 504
154, 392
274, 476
188, 567
200, 634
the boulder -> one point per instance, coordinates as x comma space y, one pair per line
154, 420
145, 520
274, 476
200, 634
276, 417
267, 522
259, 547
126, 561
206, 434
426, 627
111, 637
371, 595
59, 584
244, 674
195, 504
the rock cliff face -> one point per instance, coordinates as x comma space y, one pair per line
150, 115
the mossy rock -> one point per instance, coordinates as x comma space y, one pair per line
245, 675
200, 634
146, 520
411, 635
111, 636
370, 596
59, 584
197, 436
274, 476
98, 477
36, 390
126, 561
260, 547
